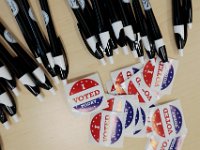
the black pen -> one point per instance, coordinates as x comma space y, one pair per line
144, 31
4, 119
32, 35
102, 27
32, 66
17, 68
42, 41
128, 19
87, 32
179, 26
155, 31
61, 67
7, 102
138, 52
8, 78
116, 23
188, 12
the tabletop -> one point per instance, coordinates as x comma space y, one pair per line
50, 125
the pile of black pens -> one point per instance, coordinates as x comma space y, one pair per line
182, 21
16, 62
104, 24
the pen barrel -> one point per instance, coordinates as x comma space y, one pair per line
188, 12
177, 12
55, 42
152, 22
19, 50
100, 17
24, 26
112, 7
43, 48
123, 14
50, 28
34, 26
128, 12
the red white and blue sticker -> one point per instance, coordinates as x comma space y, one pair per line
167, 120
165, 144
137, 86
86, 95
106, 129
119, 76
161, 76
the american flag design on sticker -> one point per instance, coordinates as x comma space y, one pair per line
81, 86
174, 144
177, 118
116, 130
129, 111
140, 114
168, 78
148, 72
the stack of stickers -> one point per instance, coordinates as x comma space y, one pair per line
130, 108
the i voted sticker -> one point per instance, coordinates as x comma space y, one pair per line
106, 129
86, 95
167, 120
